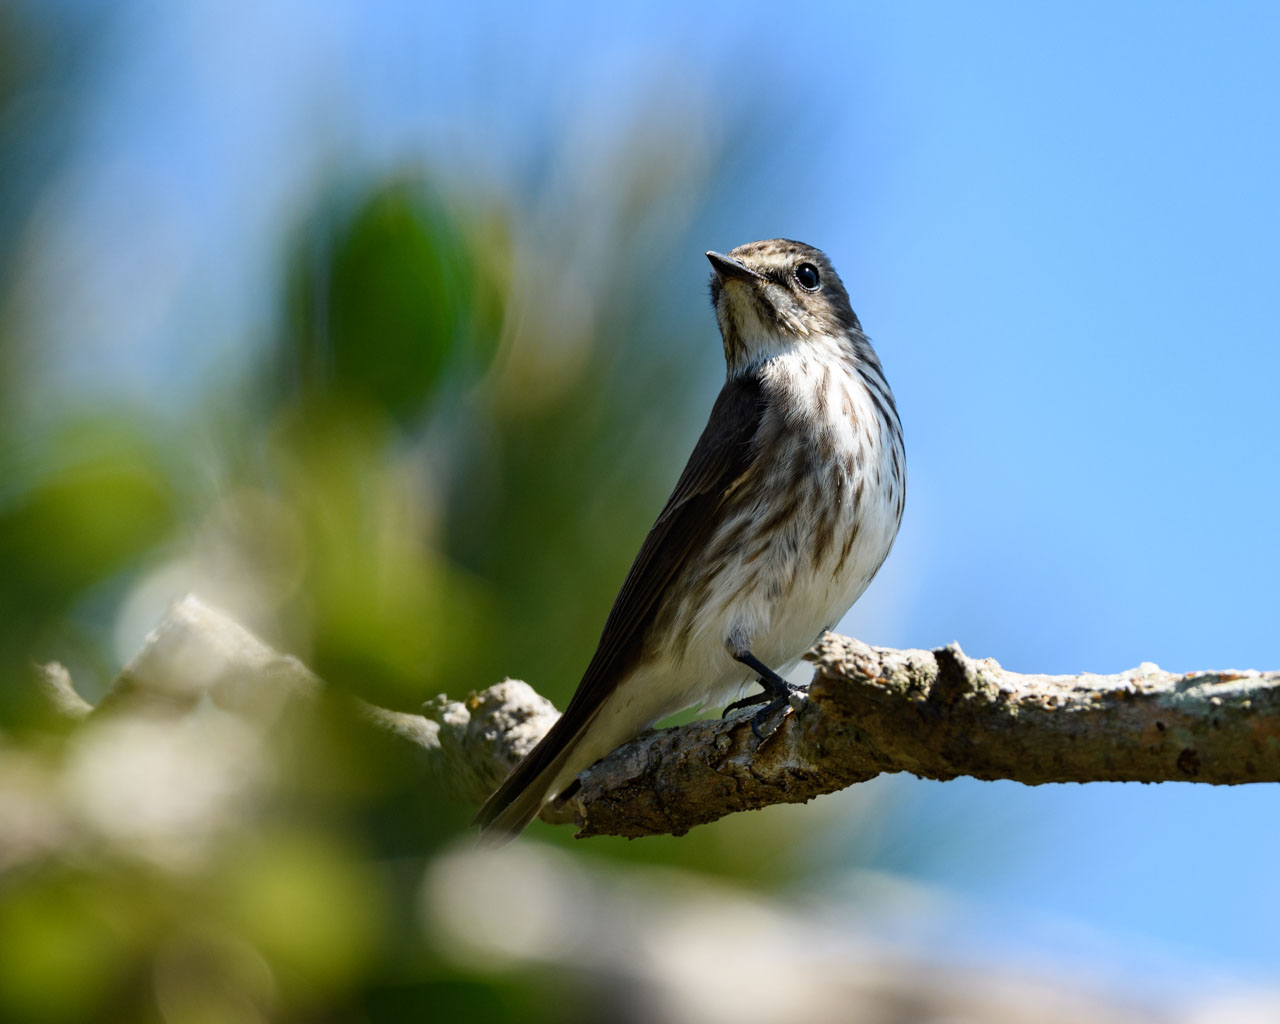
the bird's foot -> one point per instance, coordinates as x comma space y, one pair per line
775, 693
774, 698
766, 695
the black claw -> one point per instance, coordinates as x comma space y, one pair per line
767, 712
746, 702
773, 703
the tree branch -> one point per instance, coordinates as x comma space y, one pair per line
940, 714
937, 714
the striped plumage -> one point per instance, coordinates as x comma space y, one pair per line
788, 506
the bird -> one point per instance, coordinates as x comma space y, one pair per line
788, 506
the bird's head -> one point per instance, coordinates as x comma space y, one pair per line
775, 295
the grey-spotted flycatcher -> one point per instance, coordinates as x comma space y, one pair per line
788, 506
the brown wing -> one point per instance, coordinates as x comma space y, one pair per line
683, 527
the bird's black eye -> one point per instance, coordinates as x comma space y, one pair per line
807, 275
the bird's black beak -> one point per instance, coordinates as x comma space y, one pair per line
729, 269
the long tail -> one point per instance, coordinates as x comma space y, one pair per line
520, 797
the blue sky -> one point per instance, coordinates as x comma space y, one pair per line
1058, 222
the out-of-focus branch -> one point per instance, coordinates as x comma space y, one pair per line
198, 652
56, 691
938, 714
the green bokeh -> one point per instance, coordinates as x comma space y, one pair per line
432, 474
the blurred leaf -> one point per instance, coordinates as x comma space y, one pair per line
387, 298
88, 500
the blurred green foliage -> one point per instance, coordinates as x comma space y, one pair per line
97, 489
389, 298
433, 476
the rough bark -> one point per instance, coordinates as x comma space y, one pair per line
940, 714
937, 714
